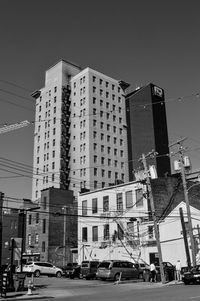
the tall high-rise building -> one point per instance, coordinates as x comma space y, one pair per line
147, 129
80, 139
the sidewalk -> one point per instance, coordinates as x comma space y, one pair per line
44, 292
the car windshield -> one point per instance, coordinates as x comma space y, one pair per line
29, 263
104, 264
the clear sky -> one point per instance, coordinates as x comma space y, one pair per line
139, 41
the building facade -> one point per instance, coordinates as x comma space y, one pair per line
110, 222
80, 137
52, 229
147, 129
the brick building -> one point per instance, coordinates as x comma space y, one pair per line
45, 227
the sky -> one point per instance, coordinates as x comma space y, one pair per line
138, 41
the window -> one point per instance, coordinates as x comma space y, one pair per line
29, 239
84, 234
53, 154
94, 89
107, 105
37, 217
94, 100
36, 238
109, 174
100, 81
103, 184
109, 162
102, 160
106, 233
94, 233
115, 151
102, 136
119, 99
95, 184
107, 84
108, 149
54, 131
94, 134
106, 203
107, 115
101, 92
150, 232
121, 153
101, 103
113, 87
103, 173
94, 79
29, 219
108, 127
84, 207
54, 142
53, 165
120, 232
54, 99
119, 202
114, 118
44, 226
94, 122
44, 202
108, 138
101, 125
129, 199
101, 113
94, 146
94, 205
113, 96
95, 171
95, 159
43, 246
139, 198
115, 140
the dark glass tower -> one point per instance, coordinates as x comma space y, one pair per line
147, 129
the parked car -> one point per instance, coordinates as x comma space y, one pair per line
67, 269
75, 273
192, 276
112, 269
142, 268
89, 269
41, 268
169, 271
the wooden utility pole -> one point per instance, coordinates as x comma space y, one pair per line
185, 238
150, 196
190, 230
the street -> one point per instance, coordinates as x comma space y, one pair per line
96, 290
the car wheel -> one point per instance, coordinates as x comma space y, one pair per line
37, 273
58, 275
117, 276
186, 282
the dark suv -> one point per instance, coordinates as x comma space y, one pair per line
89, 269
67, 269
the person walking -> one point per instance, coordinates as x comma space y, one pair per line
178, 270
152, 272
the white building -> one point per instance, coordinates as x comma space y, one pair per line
110, 222
171, 234
80, 131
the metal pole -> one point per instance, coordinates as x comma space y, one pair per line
64, 234
157, 236
22, 243
187, 204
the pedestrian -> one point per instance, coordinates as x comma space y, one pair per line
152, 272
178, 270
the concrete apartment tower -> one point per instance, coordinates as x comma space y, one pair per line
80, 139
147, 129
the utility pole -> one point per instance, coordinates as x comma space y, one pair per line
1, 226
185, 190
150, 196
64, 234
185, 238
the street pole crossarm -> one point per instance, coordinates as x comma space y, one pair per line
179, 141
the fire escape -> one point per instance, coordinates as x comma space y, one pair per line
65, 138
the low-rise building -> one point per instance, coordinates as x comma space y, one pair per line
110, 222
